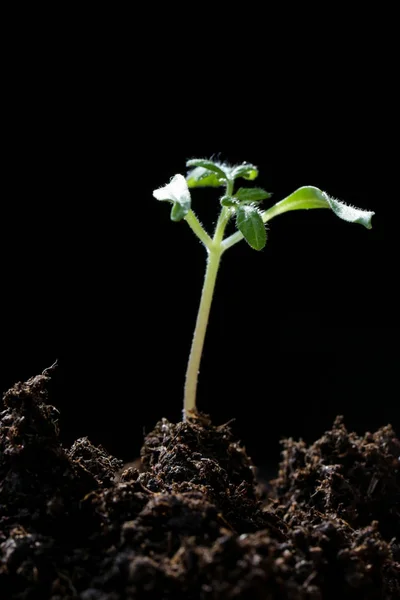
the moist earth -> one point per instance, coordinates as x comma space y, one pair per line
191, 520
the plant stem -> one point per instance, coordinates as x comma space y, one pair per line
215, 250
192, 373
197, 228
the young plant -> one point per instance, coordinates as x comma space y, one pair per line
243, 205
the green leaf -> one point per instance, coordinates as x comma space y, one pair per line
350, 213
209, 173
250, 224
206, 173
305, 197
312, 197
200, 177
245, 170
177, 192
229, 201
247, 195
207, 164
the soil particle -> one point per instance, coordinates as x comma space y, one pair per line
191, 522
353, 478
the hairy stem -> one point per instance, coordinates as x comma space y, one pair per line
197, 228
192, 372
215, 250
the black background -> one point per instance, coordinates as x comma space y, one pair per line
95, 275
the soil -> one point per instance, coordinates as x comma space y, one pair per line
191, 521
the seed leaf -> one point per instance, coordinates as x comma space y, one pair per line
177, 192
250, 224
207, 164
209, 173
206, 173
248, 195
245, 170
311, 197
200, 177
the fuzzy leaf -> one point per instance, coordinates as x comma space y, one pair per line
245, 170
200, 177
206, 173
305, 197
177, 192
245, 195
312, 197
207, 164
250, 224
229, 201
350, 213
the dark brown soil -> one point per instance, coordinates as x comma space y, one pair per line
193, 522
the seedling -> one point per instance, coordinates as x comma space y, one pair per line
243, 205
